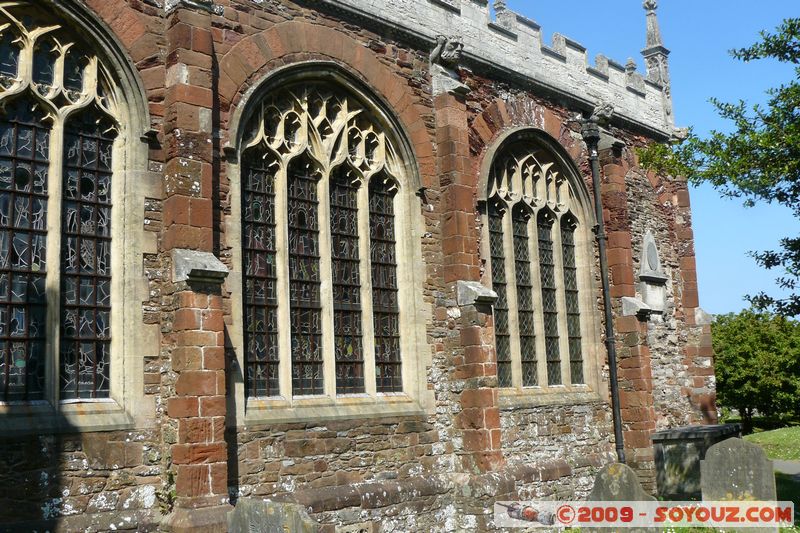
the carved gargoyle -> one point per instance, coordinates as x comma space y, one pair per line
602, 113
447, 52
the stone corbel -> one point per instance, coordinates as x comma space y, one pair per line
444, 64
635, 307
474, 293
197, 267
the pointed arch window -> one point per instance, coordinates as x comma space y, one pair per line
333, 325
58, 142
534, 240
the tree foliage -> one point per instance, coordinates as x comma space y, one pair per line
757, 360
758, 160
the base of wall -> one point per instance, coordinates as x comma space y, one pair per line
206, 520
142, 520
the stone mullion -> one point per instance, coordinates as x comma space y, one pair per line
326, 287
55, 185
365, 272
282, 282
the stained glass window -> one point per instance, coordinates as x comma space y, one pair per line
571, 291
499, 285
385, 306
345, 260
260, 274
547, 270
24, 165
525, 308
86, 257
335, 176
304, 278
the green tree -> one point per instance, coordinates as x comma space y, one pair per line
757, 360
758, 160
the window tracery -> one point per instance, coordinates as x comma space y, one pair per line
57, 133
531, 224
341, 173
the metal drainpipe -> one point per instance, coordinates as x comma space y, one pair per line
591, 134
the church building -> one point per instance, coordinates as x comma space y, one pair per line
385, 262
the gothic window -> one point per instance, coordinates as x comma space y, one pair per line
533, 215
321, 295
58, 131
568, 227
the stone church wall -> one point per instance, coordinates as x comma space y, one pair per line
440, 469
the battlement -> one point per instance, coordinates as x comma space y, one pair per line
513, 43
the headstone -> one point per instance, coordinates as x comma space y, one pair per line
617, 483
735, 469
258, 516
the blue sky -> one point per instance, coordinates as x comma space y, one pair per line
699, 33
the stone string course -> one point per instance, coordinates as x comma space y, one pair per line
437, 471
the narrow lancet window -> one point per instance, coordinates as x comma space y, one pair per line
525, 308
86, 257
260, 272
24, 163
502, 334
304, 278
385, 304
349, 353
547, 269
568, 226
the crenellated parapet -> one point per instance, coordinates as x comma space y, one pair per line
512, 43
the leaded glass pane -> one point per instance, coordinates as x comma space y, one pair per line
304, 279
549, 303
86, 257
349, 353
25, 151
9, 55
571, 293
525, 310
260, 274
385, 305
499, 285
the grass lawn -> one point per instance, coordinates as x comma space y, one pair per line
779, 443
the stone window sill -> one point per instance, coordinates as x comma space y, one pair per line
323, 408
556, 395
41, 418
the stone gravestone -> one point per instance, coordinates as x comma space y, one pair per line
258, 516
616, 483
735, 469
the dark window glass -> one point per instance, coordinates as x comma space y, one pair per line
24, 164
499, 285
348, 341
86, 257
522, 262
304, 279
260, 275
549, 304
385, 306
9, 55
573, 308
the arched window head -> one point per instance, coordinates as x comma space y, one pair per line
539, 262
59, 148
322, 181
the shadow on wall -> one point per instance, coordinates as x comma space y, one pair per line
53, 478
